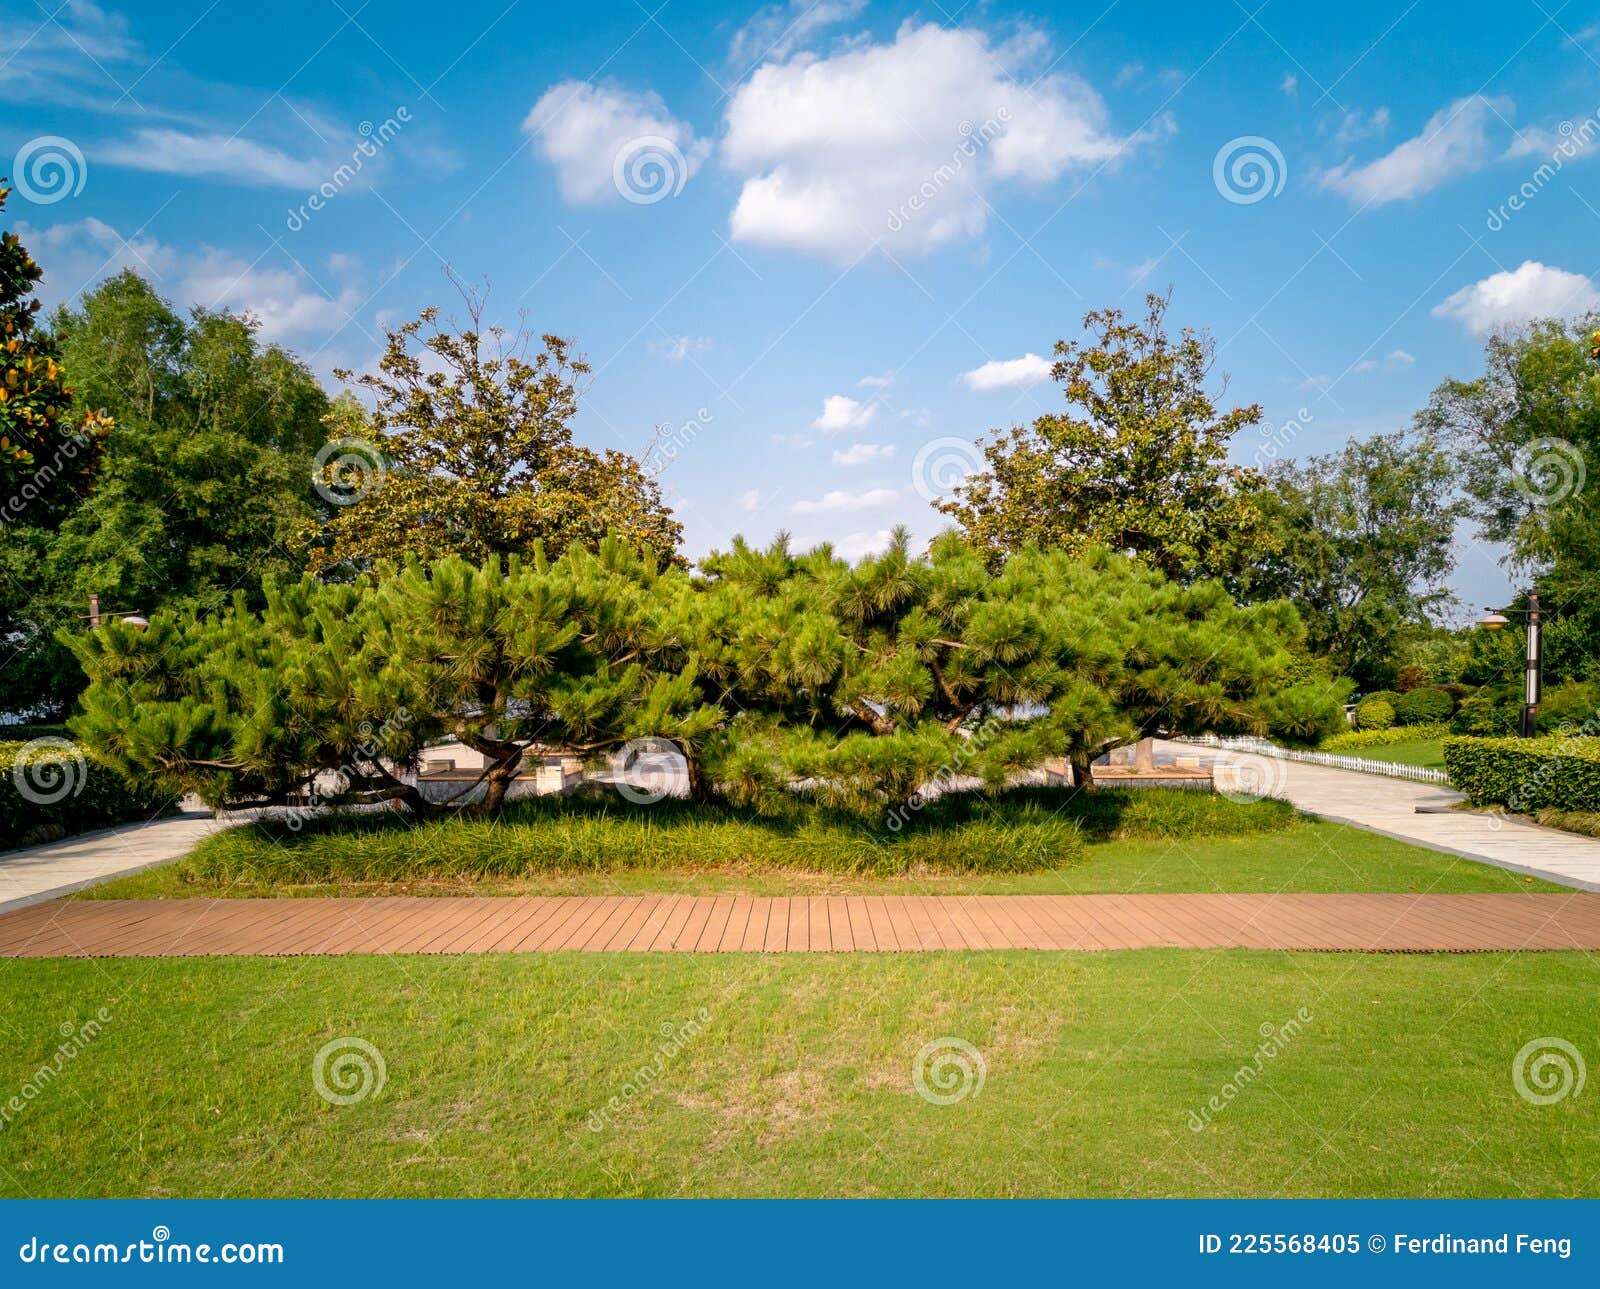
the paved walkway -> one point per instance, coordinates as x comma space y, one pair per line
1389, 806
725, 923
44, 872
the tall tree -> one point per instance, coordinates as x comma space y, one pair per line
205, 485
1364, 548
468, 450
1526, 435
1138, 462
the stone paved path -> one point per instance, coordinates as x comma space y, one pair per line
44, 872
1389, 806
725, 923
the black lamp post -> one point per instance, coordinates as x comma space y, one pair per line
1533, 676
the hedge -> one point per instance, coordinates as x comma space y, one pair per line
1354, 740
49, 790
1425, 706
1374, 714
1526, 774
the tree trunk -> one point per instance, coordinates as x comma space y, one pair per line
1144, 756
500, 779
1082, 775
701, 789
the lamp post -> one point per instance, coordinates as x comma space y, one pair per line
1533, 674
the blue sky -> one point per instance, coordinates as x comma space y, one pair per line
811, 240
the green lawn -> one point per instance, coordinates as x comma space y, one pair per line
800, 1083
1306, 856
1428, 753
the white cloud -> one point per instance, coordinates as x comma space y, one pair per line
583, 129
877, 382
840, 413
677, 349
1455, 141
285, 301
1365, 365
1509, 299
778, 30
750, 500
1008, 373
838, 499
176, 152
861, 453
1290, 84
1402, 357
902, 143
1315, 382
854, 546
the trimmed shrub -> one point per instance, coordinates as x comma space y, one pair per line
1428, 705
50, 790
1355, 740
1526, 774
1570, 707
1374, 714
1411, 677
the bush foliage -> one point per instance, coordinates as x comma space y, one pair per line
1526, 775
1427, 705
66, 793
1374, 714
1355, 740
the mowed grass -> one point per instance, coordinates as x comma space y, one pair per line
500, 1074
1114, 841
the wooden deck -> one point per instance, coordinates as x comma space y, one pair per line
729, 923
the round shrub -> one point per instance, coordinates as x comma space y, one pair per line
1426, 706
1374, 714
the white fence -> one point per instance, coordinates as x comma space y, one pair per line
1333, 760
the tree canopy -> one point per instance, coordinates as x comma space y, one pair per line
1365, 547
1138, 463
469, 450
865, 682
